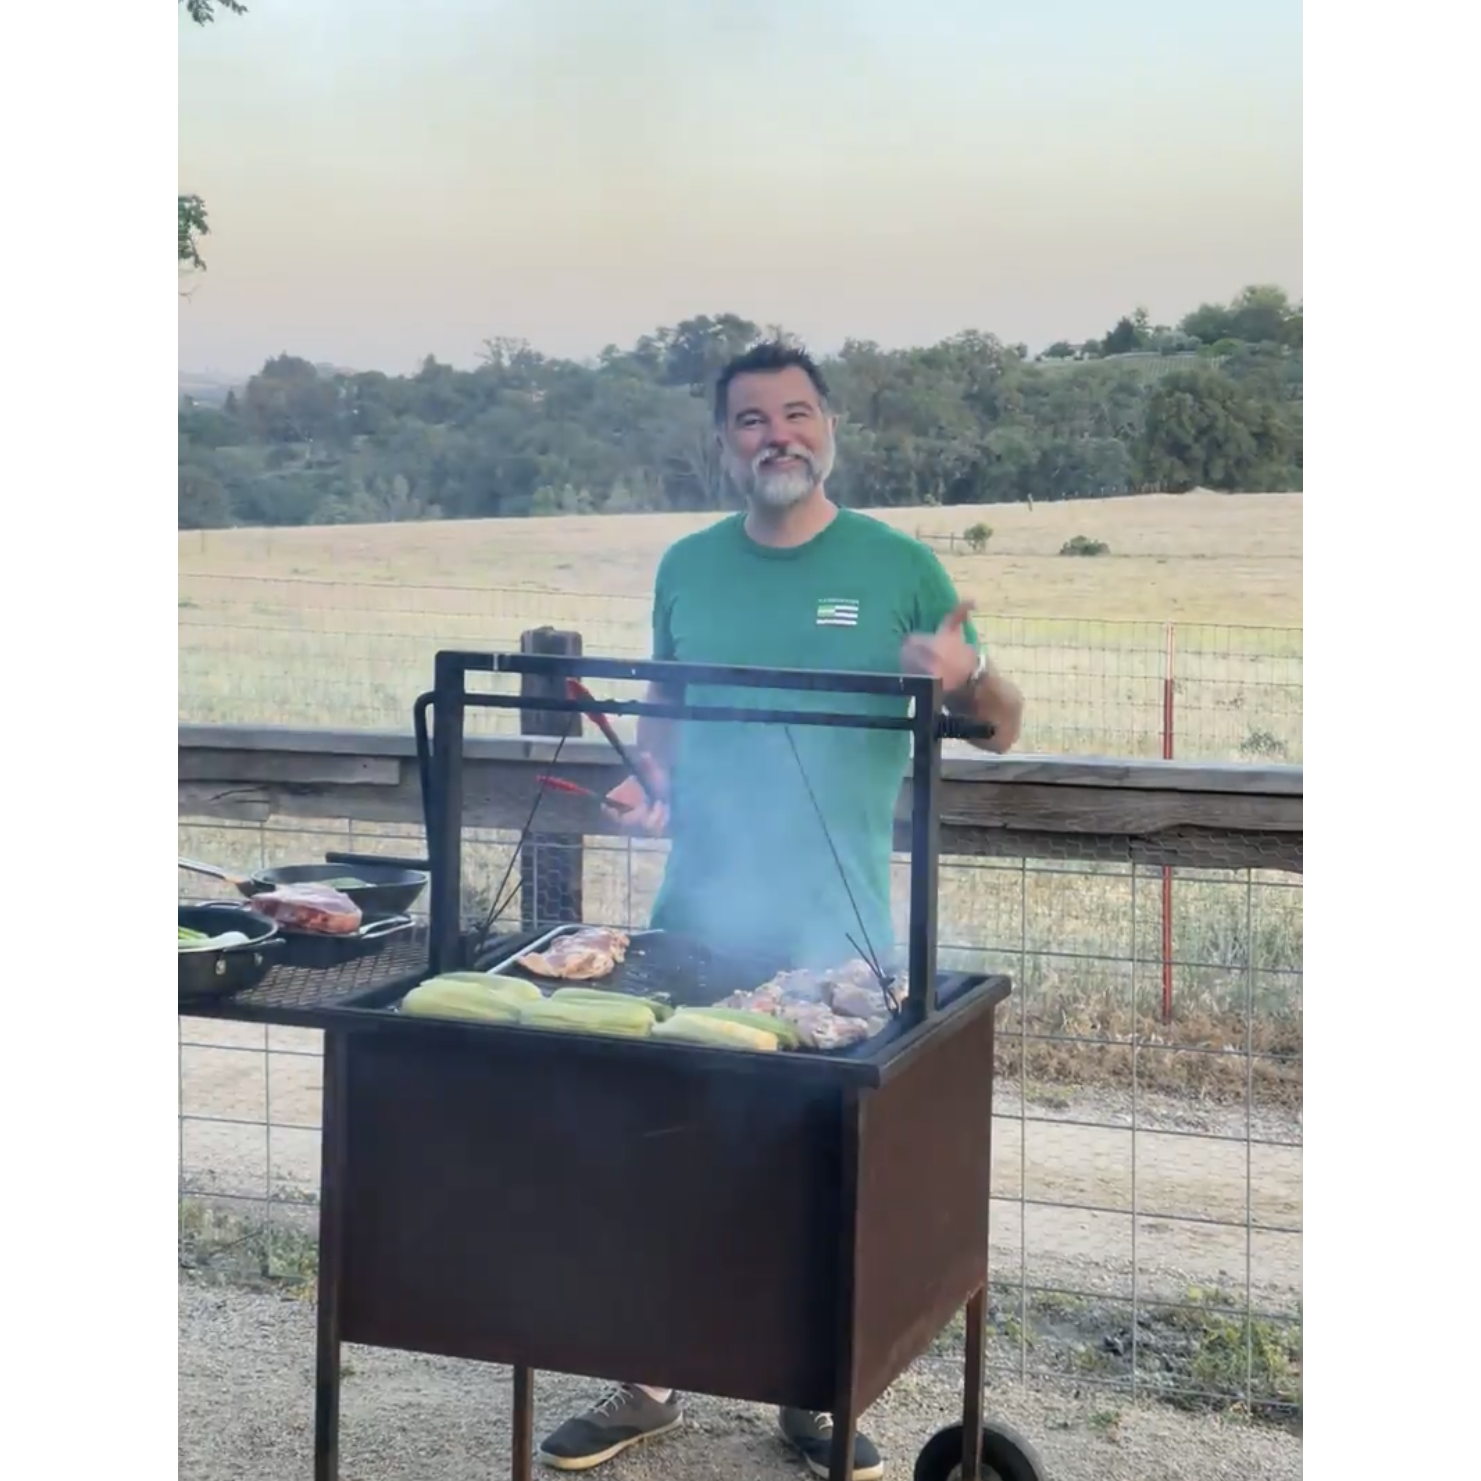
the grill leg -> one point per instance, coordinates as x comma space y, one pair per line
841, 1461
331, 1264
522, 1424
326, 1410
974, 1374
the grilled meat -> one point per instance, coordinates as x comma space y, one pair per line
821, 1028
830, 1010
580, 956
309, 907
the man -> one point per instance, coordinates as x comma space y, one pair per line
794, 582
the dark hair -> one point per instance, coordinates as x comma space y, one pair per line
766, 358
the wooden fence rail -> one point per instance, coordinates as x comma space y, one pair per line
1172, 813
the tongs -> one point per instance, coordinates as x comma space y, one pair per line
575, 789
575, 689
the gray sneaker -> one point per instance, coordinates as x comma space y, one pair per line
625, 1417
810, 1434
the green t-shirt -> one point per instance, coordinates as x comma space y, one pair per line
750, 865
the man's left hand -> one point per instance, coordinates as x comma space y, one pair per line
944, 654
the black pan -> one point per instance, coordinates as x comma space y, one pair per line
319, 950
388, 890
227, 970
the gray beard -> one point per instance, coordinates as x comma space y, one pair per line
782, 488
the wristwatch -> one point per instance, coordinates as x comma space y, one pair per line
978, 675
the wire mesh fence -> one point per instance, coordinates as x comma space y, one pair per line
294, 651
1147, 1203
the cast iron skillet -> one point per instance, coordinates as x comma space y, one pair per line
388, 889
227, 970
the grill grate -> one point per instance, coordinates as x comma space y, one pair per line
657, 963
686, 973
680, 970
328, 987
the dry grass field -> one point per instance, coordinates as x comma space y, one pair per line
1197, 558
338, 625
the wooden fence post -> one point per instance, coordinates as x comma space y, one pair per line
550, 868
1169, 706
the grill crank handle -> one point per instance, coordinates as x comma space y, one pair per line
956, 727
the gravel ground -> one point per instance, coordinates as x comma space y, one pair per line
246, 1400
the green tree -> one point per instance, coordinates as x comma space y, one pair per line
694, 350
965, 421
1121, 339
203, 500
1260, 314
288, 401
1204, 430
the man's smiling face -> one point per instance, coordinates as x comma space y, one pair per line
777, 440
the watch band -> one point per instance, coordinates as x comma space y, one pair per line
971, 684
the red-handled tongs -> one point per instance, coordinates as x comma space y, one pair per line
575, 689
560, 784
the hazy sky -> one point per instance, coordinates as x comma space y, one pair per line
389, 178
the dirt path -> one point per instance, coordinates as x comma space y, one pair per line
246, 1403
246, 1415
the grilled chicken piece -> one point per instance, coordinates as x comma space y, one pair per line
818, 1025
859, 1000
764, 999
581, 956
802, 987
830, 1010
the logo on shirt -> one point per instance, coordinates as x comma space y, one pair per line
838, 612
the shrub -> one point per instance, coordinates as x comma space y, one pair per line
977, 537
1079, 545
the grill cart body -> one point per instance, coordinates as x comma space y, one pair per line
788, 1228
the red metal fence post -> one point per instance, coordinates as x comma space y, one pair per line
1168, 708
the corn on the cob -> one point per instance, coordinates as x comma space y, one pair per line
687, 1026
602, 995
590, 995
785, 1033
623, 1016
516, 988
512, 990
439, 998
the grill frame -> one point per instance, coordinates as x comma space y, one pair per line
450, 699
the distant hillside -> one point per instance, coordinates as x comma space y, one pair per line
969, 420
209, 387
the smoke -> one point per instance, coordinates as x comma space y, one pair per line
752, 865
